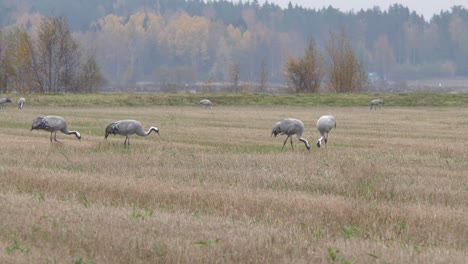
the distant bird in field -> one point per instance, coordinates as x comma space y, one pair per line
21, 102
53, 124
3, 101
127, 128
207, 103
376, 102
324, 125
289, 127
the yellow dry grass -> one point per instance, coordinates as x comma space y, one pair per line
392, 187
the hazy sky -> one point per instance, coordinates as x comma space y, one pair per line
424, 7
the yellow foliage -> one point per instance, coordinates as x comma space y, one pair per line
234, 34
187, 36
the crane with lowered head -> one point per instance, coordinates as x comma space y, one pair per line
324, 125
53, 124
127, 128
289, 127
21, 102
207, 103
376, 102
4, 100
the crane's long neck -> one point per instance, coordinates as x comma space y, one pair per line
305, 142
151, 129
76, 133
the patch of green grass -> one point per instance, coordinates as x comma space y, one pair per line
207, 242
80, 260
13, 124
399, 226
351, 231
333, 253
15, 246
184, 99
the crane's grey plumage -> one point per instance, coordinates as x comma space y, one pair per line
289, 127
3, 101
53, 124
128, 127
207, 103
376, 102
324, 125
21, 102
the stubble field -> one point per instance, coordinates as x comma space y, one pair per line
392, 187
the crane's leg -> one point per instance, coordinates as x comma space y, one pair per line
50, 137
55, 138
290, 140
125, 142
284, 143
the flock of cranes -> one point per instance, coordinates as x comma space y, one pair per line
5, 100
292, 126
288, 126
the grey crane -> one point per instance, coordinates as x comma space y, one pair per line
21, 102
289, 127
128, 127
53, 124
376, 102
207, 103
324, 125
4, 100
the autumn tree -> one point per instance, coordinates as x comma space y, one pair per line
345, 72
57, 56
263, 75
91, 78
306, 74
50, 62
3, 76
234, 73
17, 60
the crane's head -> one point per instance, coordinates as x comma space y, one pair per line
112, 128
78, 135
155, 129
108, 132
276, 129
319, 143
307, 145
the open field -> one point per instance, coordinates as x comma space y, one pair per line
392, 187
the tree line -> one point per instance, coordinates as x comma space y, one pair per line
48, 60
175, 43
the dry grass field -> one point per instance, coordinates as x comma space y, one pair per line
391, 187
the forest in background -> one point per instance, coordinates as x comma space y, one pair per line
177, 44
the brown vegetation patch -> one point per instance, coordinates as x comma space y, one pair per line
215, 187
